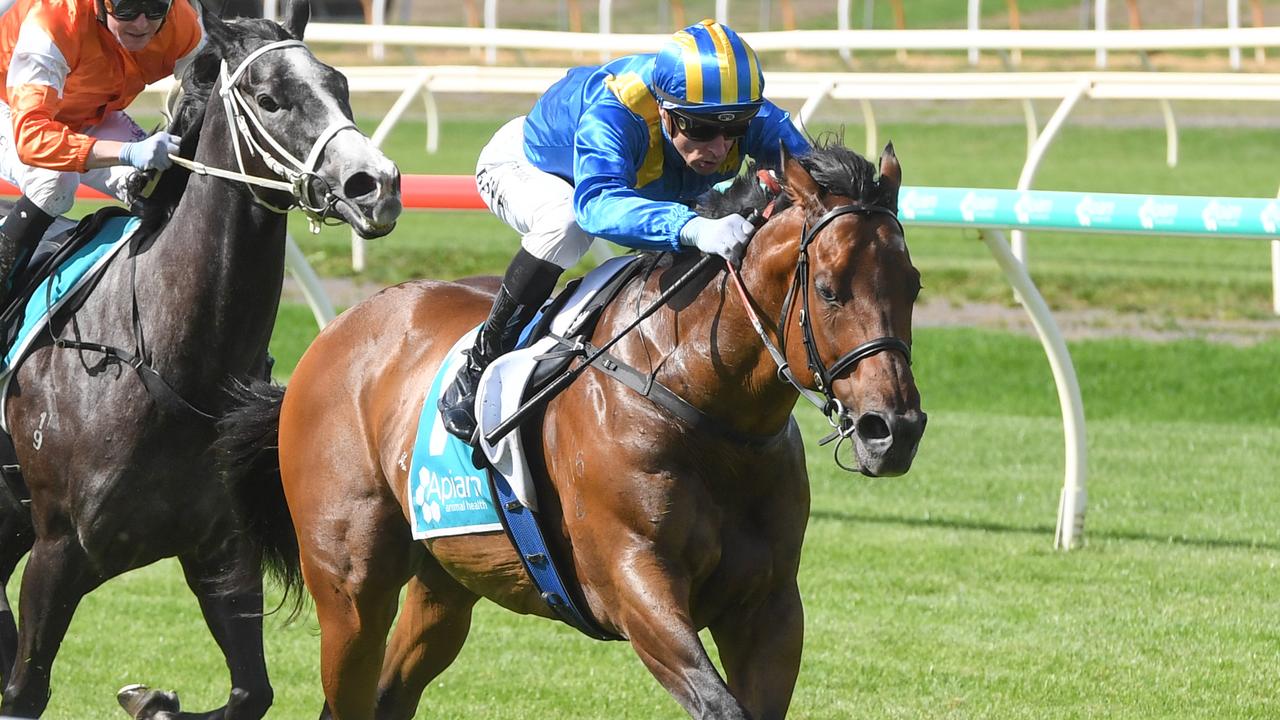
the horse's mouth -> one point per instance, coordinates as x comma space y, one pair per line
369, 230
372, 220
368, 195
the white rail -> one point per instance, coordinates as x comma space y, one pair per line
813, 40
813, 89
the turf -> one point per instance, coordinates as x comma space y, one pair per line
935, 595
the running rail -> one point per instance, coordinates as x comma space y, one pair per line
843, 12
813, 89
615, 44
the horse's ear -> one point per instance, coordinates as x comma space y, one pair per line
296, 15
801, 186
890, 176
216, 32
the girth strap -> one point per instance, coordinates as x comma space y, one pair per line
139, 359
151, 378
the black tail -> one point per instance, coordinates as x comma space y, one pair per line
248, 456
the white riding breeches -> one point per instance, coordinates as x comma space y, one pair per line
54, 191
537, 204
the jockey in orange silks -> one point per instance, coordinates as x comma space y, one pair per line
70, 68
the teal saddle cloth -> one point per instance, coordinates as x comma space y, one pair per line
73, 269
448, 493
54, 278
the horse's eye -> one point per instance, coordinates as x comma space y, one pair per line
825, 292
266, 103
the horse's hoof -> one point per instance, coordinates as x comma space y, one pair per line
142, 702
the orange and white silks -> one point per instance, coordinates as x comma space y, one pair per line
64, 71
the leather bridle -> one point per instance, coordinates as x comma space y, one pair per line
299, 175
823, 375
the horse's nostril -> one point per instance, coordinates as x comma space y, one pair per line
358, 185
872, 427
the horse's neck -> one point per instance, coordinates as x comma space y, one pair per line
222, 252
719, 356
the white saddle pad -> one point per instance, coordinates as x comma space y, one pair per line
503, 383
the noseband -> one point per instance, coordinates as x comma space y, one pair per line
300, 176
823, 376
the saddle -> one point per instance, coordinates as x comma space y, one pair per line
517, 385
543, 355
34, 300
60, 242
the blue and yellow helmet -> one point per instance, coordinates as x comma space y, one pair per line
709, 71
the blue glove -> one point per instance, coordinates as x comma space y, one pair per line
726, 236
152, 153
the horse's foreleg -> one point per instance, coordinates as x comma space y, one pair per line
235, 621
16, 538
664, 637
57, 577
760, 650
434, 621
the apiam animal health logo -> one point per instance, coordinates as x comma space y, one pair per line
437, 495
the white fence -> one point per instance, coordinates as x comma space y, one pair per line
613, 44
843, 22
813, 89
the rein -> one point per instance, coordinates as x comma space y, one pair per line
837, 414
300, 176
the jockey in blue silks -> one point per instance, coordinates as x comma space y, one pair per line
620, 151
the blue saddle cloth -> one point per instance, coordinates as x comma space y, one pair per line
448, 493
54, 290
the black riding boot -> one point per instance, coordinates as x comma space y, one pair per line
527, 284
19, 234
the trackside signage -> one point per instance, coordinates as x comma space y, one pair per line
1090, 212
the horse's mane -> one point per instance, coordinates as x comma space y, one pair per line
836, 168
222, 39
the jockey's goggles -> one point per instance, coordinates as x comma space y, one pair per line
129, 10
706, 129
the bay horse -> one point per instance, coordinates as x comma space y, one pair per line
113, 423
667, 528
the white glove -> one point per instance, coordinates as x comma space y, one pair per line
152, 153
726, 236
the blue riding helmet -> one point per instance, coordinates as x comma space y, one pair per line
707, 71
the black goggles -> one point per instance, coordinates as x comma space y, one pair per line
700, 130
129, 10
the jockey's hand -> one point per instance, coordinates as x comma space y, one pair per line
726, 236
152, 153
